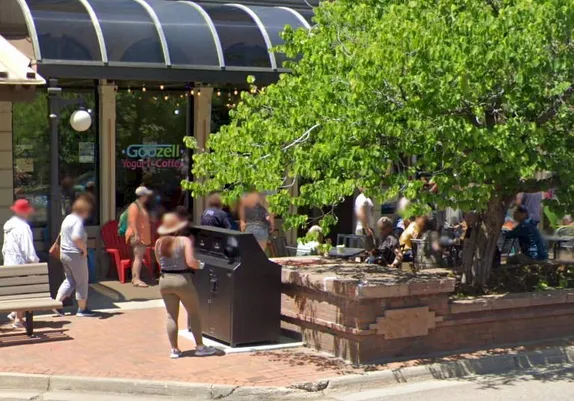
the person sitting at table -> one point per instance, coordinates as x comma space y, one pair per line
315, 238
388, 251
429, 253
529, 239
411, 232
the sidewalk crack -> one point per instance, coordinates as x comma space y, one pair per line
221, 396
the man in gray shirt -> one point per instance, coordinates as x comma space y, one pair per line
532, 201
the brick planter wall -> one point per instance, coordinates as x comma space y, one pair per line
365, 314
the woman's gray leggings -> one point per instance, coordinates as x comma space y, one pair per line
77, 276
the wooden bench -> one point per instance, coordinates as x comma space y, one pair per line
26, 289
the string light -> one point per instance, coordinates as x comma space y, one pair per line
129, 90
166, 97
192, 92
218, 93
199, 92
161, 87
181, 96
235, 92
144, 89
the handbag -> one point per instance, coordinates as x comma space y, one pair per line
55, 249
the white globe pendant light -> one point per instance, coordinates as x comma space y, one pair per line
81, 120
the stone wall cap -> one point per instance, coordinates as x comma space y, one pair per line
366, 280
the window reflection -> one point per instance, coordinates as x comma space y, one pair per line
77, 150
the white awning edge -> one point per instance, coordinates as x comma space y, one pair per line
15, 67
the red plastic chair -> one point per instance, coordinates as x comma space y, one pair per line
120, 252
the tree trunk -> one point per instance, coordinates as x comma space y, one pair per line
480, 248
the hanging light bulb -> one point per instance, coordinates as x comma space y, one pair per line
161, 87
181, 96
192, 92
235, 92
166, 97
129, 90
199, 92
144, 89
218, 93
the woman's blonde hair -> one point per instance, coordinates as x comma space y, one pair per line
82, 206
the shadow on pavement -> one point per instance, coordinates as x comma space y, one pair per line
9, 339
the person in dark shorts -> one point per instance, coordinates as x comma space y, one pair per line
214, 215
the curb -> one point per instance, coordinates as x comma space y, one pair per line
489, 365
76, 384
439, 371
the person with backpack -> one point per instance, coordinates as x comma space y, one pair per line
137, 226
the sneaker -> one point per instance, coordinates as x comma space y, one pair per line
12, 316
202, 350
58, 312
175, 354
85, 313
18, 325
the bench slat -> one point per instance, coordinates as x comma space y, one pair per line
24, 296
37, 269
23, 280
29, 304
24, 289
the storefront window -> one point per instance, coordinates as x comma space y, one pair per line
78, 153
149, 148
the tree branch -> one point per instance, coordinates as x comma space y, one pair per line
297, 141
558, 101
535, 185
495, 7
466, 113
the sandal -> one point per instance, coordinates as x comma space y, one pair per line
141, 284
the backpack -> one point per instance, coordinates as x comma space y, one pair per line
123, 221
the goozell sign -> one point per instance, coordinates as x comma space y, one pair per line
153, 151
152, 155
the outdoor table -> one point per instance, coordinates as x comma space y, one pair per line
346, 253
557, 240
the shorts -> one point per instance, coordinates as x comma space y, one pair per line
138, 247
259, 231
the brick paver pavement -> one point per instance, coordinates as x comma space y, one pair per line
133, 344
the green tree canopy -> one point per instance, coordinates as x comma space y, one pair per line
479, 90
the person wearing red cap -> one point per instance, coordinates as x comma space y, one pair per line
18, 247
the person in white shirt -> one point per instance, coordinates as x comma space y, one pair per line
18, 247
315, 233
364, 212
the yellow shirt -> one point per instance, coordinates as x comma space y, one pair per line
411, 232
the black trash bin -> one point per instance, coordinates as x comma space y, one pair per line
239, 288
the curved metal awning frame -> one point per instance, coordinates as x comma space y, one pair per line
262, 29
148, 6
